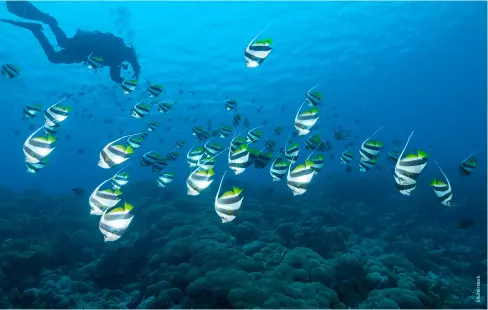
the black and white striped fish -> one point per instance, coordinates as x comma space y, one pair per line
102, 199
236, 120
194, 155
128, 86
442, 190
408, 169
56, 114
115, 220
140, 110
173, 155
370, 149
393, 156
254, 135
93, 62
468, 165
159, 165
120, 179
135, 141
291, 152
154, 90
346, 157
230, 105
318, 162
198, 181
313, 98
211, 149
114, 154
153, 126
150, 158
31, 111
10, 71
165, 107
165, 178
239, 159
366, 165
299, 179
305, 121
227, 206
278, 130
278, 169
36, 148
256, 52
225, 131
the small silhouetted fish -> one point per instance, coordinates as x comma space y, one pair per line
253, 100
466, 223
67, 136
348, 168
265, 122
357, 121
181, 92
16, 132
80, 151
32, 126
90, 115
81, 93
282, 108
260, 108
108, 120
161, 140
192, 93
78, 191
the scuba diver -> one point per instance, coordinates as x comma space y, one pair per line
111, 49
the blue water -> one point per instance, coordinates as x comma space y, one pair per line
403, 65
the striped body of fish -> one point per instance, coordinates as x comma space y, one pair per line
165, 178
10, 71
36, 148
114, 154
227, 206
257, 52
305, 121
278, 169
239, 159
128, 86
31, 111
198, 181
299, 179
154, 90
115, 220
140, 110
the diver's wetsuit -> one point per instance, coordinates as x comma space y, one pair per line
76, 49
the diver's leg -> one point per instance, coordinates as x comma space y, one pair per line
61, 37
27, 10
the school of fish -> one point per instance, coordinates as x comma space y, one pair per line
116, 214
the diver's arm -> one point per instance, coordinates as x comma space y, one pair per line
115, 74
135, 65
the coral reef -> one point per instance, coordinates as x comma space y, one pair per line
179, 255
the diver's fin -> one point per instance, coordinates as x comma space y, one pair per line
29, 26
27, 10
